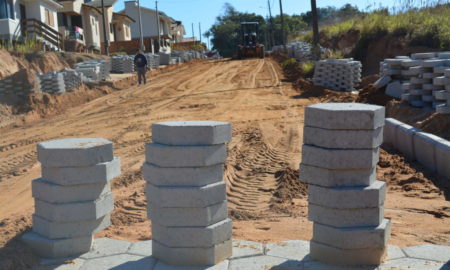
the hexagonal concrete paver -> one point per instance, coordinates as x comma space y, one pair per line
242, 248
413, 264
394, 252
429, 252
119, 262
247, 255
264, 263
292, 249
220, 266
106, 247
143, 248
69, 264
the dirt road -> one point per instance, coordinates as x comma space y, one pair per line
267, 118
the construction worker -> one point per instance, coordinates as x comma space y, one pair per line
140, 61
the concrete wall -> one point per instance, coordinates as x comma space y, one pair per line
431, 151
92, 30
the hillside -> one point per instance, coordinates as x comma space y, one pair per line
374, 36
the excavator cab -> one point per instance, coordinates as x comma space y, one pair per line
249, 46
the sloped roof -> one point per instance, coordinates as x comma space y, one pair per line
117, 16
145, 9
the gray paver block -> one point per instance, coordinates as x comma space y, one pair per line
336, 178
75, 152
191, 132
343, 218
49, 192
58, 248
185, 156
193, 236
413, 264
220, 266
194, 176
344, 116
424, 147
242, 248
340, 158
264, 263
348, 197
394, 89
200, 216
99, 173
142, 248
76, 211
186, 196
73, 264
55, 230
343, 139
389, 131
404, 140
106, 247
429, 252
346, 257
353, 238
394, 252
192, 256
443, 158
292, 250
381, 82
120, 262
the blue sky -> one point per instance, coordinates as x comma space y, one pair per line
206, 11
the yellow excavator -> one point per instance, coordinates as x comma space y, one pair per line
249, 46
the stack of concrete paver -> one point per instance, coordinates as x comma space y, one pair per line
22, 83
95, 70
301, 51
73, 199
186, 193
417, 80
338, 74
72, 79
346, 203
175, 60
152, 60
443, 94
52, 83
122, 64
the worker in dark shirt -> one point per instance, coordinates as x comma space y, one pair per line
140, 61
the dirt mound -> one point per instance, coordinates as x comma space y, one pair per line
289, 186
409, 176
371, 95
309, 90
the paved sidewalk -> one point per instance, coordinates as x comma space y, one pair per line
289, 255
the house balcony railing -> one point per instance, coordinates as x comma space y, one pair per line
33, 27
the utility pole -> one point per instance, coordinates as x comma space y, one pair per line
193, 33
283, 34
271, 38
315, 25
200, 32
140, 26
158, 25
104, 30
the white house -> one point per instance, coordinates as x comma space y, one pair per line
149, 24
33, 15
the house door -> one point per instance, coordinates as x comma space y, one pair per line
23, 12
23, 16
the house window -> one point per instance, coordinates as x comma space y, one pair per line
127, 31
111, 28
7, 9
49, 17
